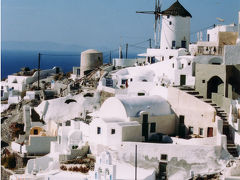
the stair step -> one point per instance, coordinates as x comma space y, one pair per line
192, 92
199, 96
208, 101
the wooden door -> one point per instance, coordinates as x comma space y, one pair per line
182, 80
210, 132
145, 126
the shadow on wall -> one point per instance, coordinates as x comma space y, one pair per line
212, 86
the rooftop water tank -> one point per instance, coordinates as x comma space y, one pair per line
90, 59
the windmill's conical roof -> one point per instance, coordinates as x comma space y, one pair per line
177, 9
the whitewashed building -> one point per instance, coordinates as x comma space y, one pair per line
131, 119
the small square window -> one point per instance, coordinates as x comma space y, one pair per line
201, 131
203, 81
190, 130
164, 157
113, 131
68, 123
124, 81
189, 63
141, 94
35, 132
181, 119
98, 130
153, 127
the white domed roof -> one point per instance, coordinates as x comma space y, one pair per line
120, 108
91, 51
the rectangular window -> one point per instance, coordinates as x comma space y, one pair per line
182, 65
183, 44
173, 44
170, 57
208, 37
98, 130
181, 119
201, 131
168, 16
141, 94
78, 71
173, 65
124, 81
68, 123
153, 127
164, 157
190, 130
35, 132
113, 131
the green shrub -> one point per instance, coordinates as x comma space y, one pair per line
10, 162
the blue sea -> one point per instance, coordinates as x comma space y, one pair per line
13, 61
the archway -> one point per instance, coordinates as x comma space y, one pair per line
212, 85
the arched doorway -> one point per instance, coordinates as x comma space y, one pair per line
212, 85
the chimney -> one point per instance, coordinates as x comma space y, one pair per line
238, 39
120, 52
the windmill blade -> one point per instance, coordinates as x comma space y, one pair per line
156, 5
145, 12
156, 21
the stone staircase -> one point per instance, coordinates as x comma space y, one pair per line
231, 147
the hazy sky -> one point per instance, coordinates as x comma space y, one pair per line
96, 23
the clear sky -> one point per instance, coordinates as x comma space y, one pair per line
99, 23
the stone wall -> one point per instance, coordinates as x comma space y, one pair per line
104, 95
5, 173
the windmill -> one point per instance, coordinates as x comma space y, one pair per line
157, 13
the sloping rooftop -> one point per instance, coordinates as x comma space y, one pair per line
177, 9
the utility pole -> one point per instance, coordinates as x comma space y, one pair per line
126, 50
120, 52
110, 57
39, 56
135, 162
150, 43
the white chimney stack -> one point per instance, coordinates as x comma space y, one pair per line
238, 39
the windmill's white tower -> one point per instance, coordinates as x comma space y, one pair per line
175, 32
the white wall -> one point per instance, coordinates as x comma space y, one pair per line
181, 158
213, 33
231, 55
38, 145
179, 30
127, 62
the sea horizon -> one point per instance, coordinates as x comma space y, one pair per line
13, 60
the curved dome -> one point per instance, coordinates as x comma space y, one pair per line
120, 108
91, 51
154, 105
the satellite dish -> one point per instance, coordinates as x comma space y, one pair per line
220, 19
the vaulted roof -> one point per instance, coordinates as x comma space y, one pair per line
177, 9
